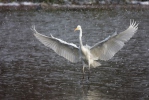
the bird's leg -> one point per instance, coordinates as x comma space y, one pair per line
83, 71
88, 69
89, 72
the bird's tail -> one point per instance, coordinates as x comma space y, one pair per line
96, 64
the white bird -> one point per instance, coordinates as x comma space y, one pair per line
103, 50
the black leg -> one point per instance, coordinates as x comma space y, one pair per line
83, 72
89, 73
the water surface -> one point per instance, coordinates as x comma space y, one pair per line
30, 71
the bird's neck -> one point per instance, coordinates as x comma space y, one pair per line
80, 38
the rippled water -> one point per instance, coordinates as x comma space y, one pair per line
30, 71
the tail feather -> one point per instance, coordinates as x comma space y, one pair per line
96, 64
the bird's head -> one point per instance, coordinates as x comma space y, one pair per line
78, 28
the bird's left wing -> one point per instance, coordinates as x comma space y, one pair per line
107, 48
68, 50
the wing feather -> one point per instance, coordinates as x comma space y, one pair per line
107, 48
67, 50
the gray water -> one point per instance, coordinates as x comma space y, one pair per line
31, 71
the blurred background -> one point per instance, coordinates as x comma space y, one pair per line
81, 1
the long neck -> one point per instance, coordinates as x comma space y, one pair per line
80, 38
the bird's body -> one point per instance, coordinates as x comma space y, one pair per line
103, 50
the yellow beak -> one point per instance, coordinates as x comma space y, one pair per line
76, 29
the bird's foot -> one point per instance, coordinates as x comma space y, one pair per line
84, 81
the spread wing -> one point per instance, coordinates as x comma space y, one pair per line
68, 50
107, 48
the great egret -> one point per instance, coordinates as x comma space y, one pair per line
103, 50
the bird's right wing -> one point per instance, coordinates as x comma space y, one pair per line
107, 48
68, 50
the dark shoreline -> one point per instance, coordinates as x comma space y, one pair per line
74, 7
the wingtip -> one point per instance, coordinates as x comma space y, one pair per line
33, 29
51, 35
133, 23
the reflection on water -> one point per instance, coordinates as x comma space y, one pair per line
29, 70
